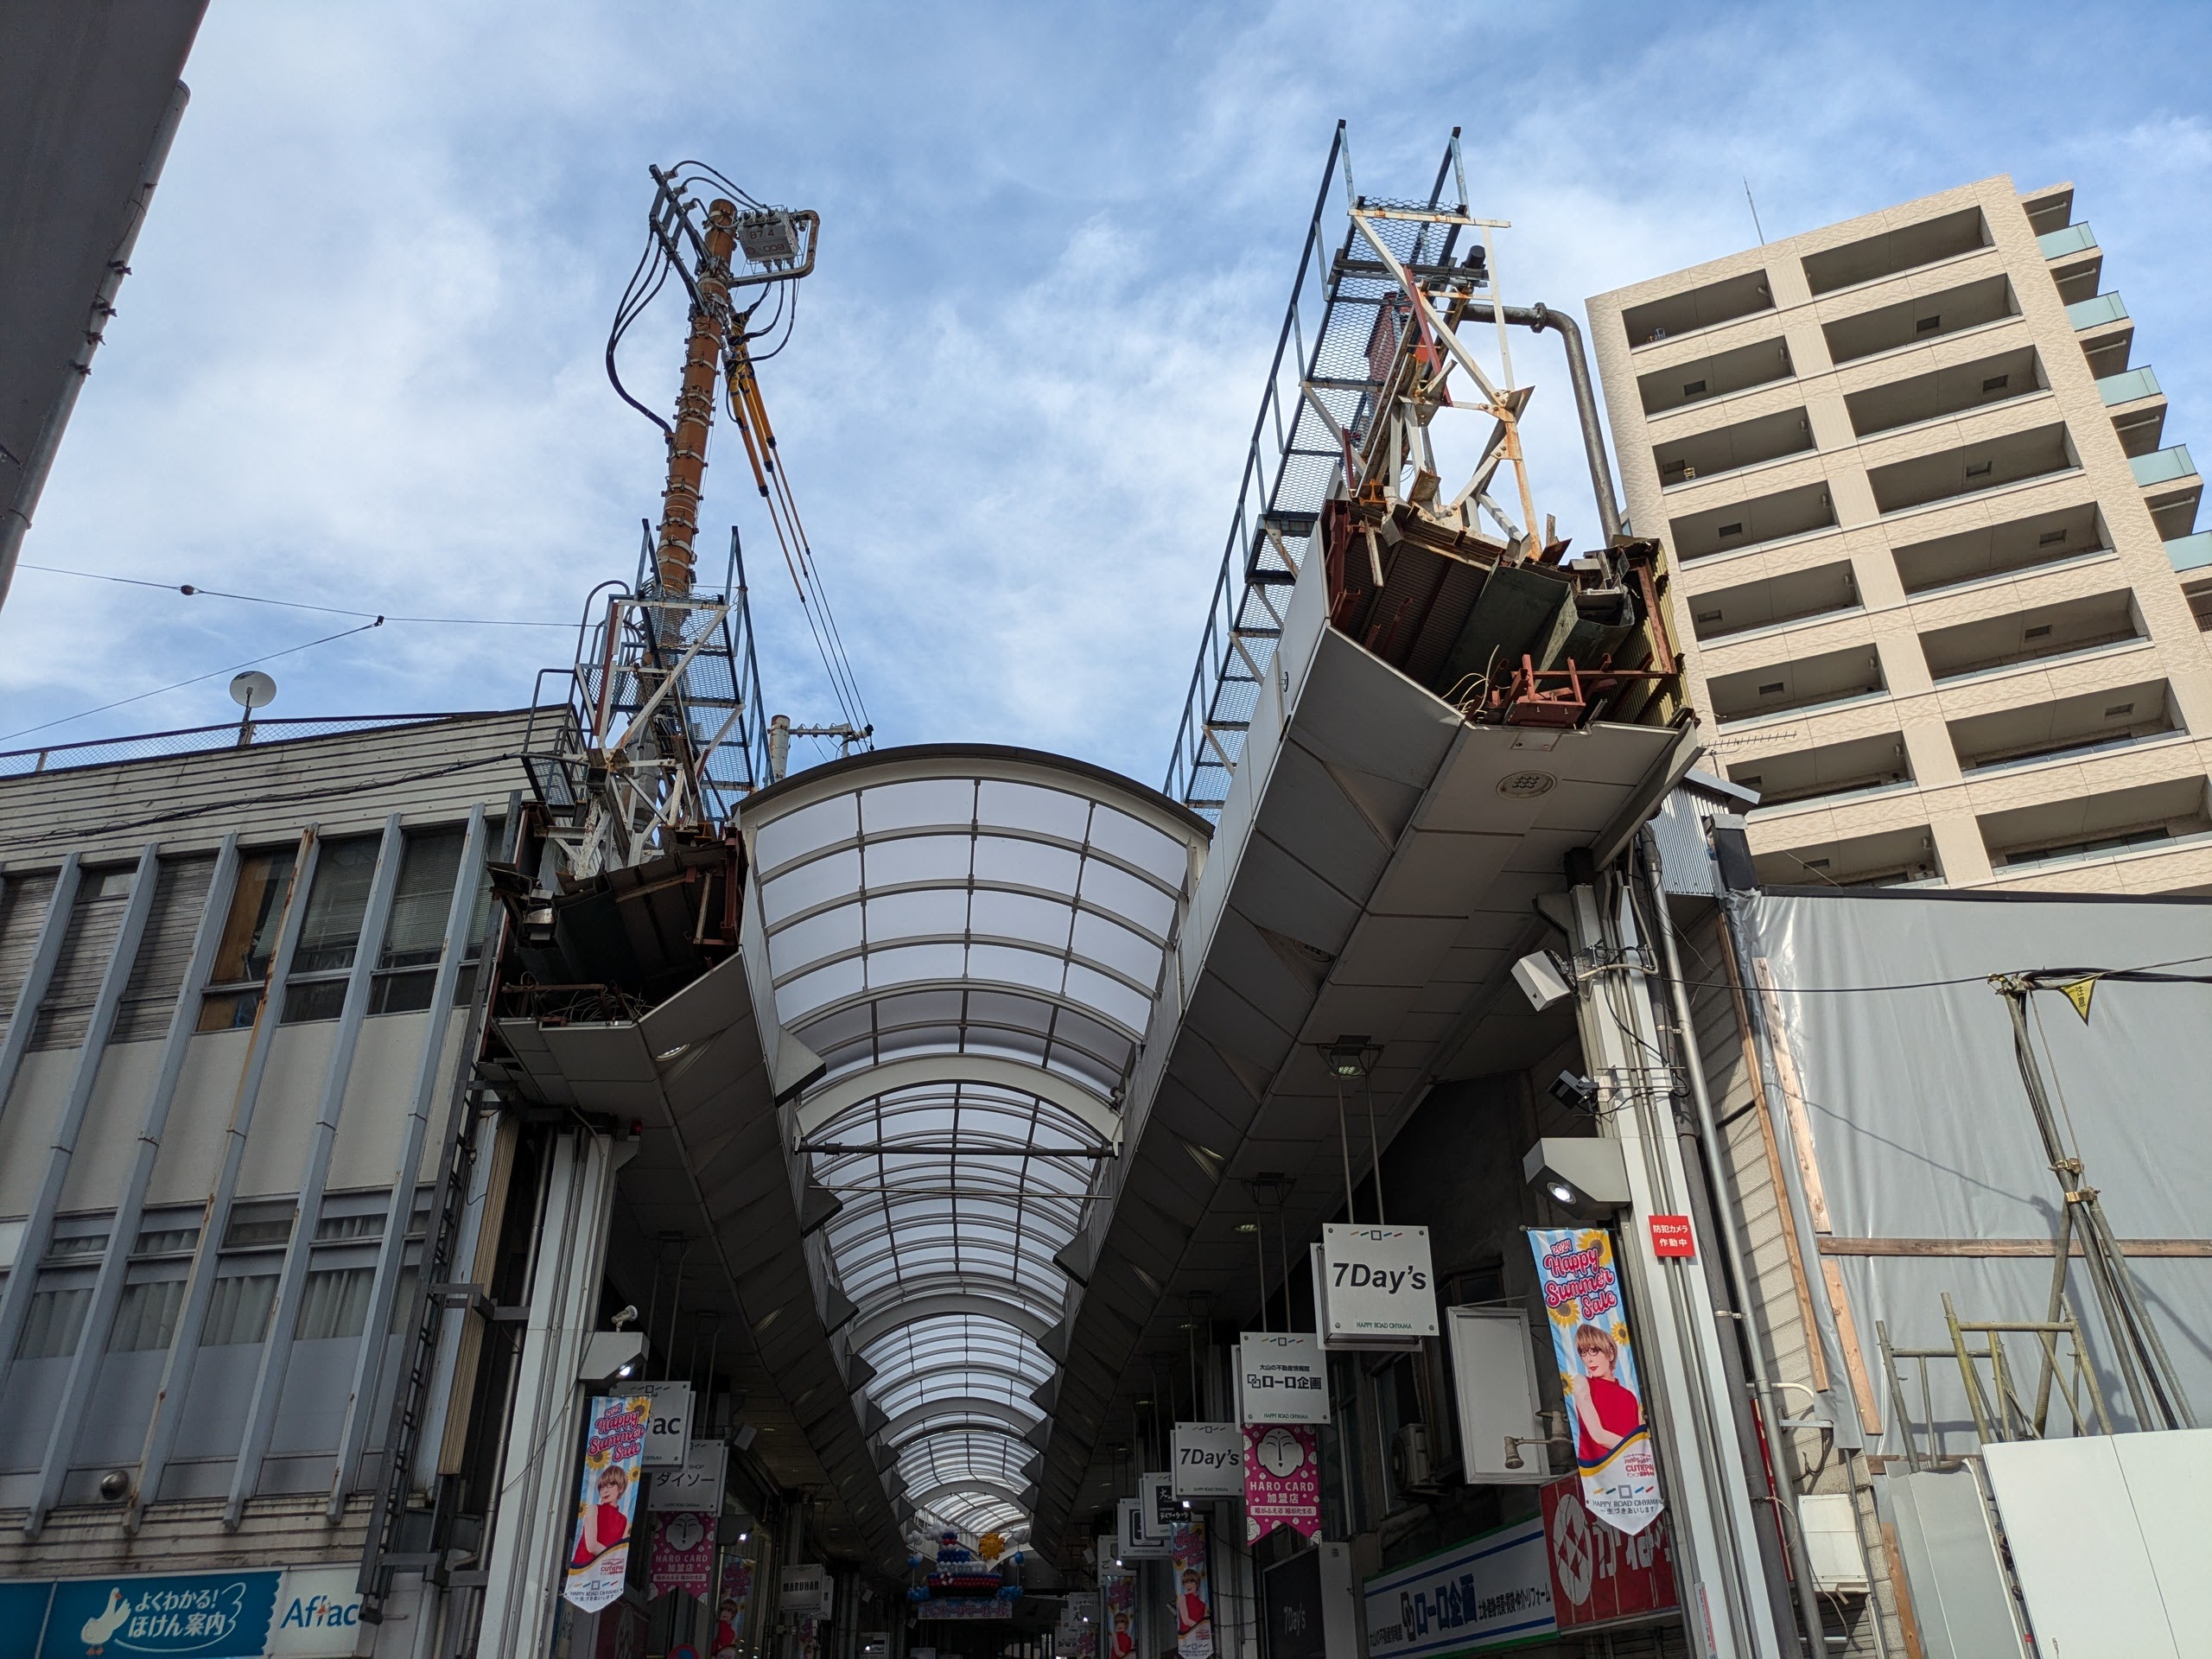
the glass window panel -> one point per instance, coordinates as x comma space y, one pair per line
1117, 948
332, 931
1025, 806
795, 834
906, 859
1139, 844
145, 1317
927, 801
1020, 916
932, 910
1026, 864
238, 1311
1108, 996
423, 897
1009, 1008
1005, 962
1007, 1044
835, 876
810, 991
1113, 888
335, 1303
817, 937
910, 961
53, 1323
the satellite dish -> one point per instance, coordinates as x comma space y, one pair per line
253, 690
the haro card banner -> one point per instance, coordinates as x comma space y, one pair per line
683, 1552
1193, 1584
1597, 1370
1282, 1479
614, 1440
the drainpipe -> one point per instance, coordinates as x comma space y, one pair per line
1731, 1241
16, 515
1540, 316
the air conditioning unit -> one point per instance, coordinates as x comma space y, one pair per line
1410, 1460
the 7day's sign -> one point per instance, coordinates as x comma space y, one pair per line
1209, 1461
1377, 1284
1597, 1371
614, 1442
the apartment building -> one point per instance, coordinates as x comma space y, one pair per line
1937, 568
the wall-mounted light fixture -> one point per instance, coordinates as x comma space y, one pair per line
1585, 1175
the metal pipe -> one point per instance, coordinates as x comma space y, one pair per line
1731, 1243
30, 484
1541, 316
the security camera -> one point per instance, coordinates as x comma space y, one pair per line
625, 1317
1574, 1092
1543, 979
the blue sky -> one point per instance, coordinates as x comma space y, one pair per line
357, 364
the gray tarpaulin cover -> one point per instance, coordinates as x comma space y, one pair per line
1922, 1129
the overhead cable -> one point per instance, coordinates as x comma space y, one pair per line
191, 590
288, 651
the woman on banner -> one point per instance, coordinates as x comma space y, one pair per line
605, 1525
1605, 1411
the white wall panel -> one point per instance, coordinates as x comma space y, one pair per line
284, 1117
26, 1122
192, 1143
113, 1116
2078, 1550
373, 1122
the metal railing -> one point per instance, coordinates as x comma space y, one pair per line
1339, 335
198, 740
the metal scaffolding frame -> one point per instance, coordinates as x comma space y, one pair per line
1337, 350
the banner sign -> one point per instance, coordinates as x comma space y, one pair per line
1597, 1371
614, 1441
683, 1554
668, 1431
1281, 1377
962, 1609
1376, 1283
1601, 1576
698, 1485
1282, 1479
301, 1613
1494, 1591
1209, 1461
732, 1605
1190, 1572
1671, 1236
1117, 1594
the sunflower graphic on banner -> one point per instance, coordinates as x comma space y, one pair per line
1597, 1372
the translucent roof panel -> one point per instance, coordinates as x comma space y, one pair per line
997, 927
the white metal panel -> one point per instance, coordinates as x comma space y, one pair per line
379, 1091
2080, 1553
27, 1124
2169, 1478
192, 1144
298, 1057
1960, 1598
110, 1133
1494, 1375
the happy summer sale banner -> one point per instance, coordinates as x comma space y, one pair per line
1597, 1372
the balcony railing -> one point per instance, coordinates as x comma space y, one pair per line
2162, 465
2096, 312
2072, 238
2128, 386
2191, 552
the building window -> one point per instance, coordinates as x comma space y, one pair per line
330, 935
248, 939
146, 1317
238, 1311
55, 1321
407, 969
336, 1304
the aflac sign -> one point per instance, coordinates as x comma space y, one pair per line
318, 1612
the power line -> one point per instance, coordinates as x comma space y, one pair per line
192, 591
288, 651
